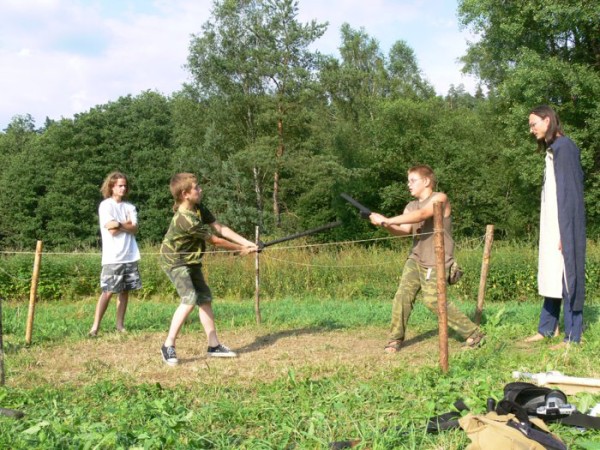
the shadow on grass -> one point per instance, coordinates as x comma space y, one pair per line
419, 338
11, 348
428, 335
267, 340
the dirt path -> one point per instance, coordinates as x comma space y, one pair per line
262, 357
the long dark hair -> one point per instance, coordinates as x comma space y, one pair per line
554, 126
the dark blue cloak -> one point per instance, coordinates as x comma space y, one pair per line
571, 218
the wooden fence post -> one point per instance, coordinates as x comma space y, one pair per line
257, 280
33, 291
485, 265
440, 256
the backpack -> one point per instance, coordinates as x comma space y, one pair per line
494, 431
518, 421
548, 404
507, 428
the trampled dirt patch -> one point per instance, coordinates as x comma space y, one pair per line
262, 357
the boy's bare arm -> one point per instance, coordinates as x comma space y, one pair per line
228, 245
227, 233
402, 222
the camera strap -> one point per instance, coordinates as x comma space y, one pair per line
578, 419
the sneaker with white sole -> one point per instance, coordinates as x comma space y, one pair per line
220, 351
168, 355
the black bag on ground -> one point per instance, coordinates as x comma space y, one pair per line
550, 405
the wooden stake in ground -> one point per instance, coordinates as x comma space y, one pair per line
485, 265
440, 257
257, 281
33, 291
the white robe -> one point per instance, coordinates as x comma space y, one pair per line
551, 264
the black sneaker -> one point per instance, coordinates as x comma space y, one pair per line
168, 355
220, 351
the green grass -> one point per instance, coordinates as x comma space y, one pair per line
387, 409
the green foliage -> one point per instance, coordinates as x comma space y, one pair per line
275, 131
566, 30
344, 272
531, 53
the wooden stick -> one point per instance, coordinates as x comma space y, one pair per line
485, 265
554, 377
257, 280
440, 257
33, 291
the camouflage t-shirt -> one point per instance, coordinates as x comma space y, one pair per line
186, 237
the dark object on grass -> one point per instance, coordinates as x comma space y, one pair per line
11, 413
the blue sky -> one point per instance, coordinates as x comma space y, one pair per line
62, 57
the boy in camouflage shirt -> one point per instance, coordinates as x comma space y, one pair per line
192, 226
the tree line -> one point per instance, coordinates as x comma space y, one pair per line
276, 131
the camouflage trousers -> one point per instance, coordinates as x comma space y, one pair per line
417, 278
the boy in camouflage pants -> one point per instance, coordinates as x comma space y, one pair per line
419, 272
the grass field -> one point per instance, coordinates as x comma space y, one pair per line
312, 373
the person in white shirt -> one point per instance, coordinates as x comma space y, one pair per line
120, 253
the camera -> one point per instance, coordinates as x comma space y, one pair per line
556, 405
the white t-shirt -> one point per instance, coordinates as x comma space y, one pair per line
122, 247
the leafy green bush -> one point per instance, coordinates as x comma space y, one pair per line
343, 272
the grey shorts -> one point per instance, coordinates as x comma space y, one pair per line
120, 277
190, 285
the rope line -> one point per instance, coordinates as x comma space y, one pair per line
266, 255
327, 266
480, 240
10, 252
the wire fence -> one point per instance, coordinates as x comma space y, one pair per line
340, 269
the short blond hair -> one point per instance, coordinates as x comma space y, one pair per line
424, 171
181, 183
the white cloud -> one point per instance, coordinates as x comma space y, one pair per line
78, 58
61, 57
